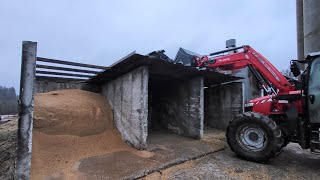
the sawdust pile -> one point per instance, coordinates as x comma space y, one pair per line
60, 153
70, 125
73, 112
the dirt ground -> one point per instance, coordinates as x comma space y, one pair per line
8, 137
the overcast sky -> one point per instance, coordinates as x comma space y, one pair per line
101, 32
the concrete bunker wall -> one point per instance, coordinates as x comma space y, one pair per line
222, 103
47, 86
251, 88
225, 101
139, 105
180, 106
177, 106
128, 97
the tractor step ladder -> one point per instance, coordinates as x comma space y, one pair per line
315, 141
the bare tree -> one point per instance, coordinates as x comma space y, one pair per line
8, 101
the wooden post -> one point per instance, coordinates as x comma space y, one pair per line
26, 103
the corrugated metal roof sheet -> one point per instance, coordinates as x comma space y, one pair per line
160, 69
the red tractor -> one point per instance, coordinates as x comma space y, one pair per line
284, 115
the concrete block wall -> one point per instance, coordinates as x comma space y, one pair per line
222, 103
178, 106
128, 97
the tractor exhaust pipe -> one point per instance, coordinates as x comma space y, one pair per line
230, 45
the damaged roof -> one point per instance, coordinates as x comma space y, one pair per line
159, 68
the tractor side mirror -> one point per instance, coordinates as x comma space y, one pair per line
294, 68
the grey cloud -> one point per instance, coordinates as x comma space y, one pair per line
101, 32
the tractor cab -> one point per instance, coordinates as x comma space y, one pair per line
312, 94
310, 78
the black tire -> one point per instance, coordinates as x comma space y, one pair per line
262, 130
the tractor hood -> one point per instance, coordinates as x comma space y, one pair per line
260, 100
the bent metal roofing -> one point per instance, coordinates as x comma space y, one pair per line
160, 68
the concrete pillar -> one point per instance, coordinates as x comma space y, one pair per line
300, 35
178, 106
26, 103
311, 14
196, 109
128, 97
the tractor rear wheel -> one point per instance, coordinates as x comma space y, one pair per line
254, 137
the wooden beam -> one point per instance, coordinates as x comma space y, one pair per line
62, 74
71, 63
66, 69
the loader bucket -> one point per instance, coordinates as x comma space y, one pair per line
185, 57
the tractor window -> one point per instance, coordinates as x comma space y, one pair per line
314, 91
314, 81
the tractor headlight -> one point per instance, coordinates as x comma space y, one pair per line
250, 104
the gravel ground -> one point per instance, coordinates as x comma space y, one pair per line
8, 137
293, 163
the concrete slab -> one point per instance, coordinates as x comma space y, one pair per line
116, 165
167, 150
293, 163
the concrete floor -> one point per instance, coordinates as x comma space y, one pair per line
166, 150
292, 163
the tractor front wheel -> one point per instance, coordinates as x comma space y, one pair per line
254, 137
